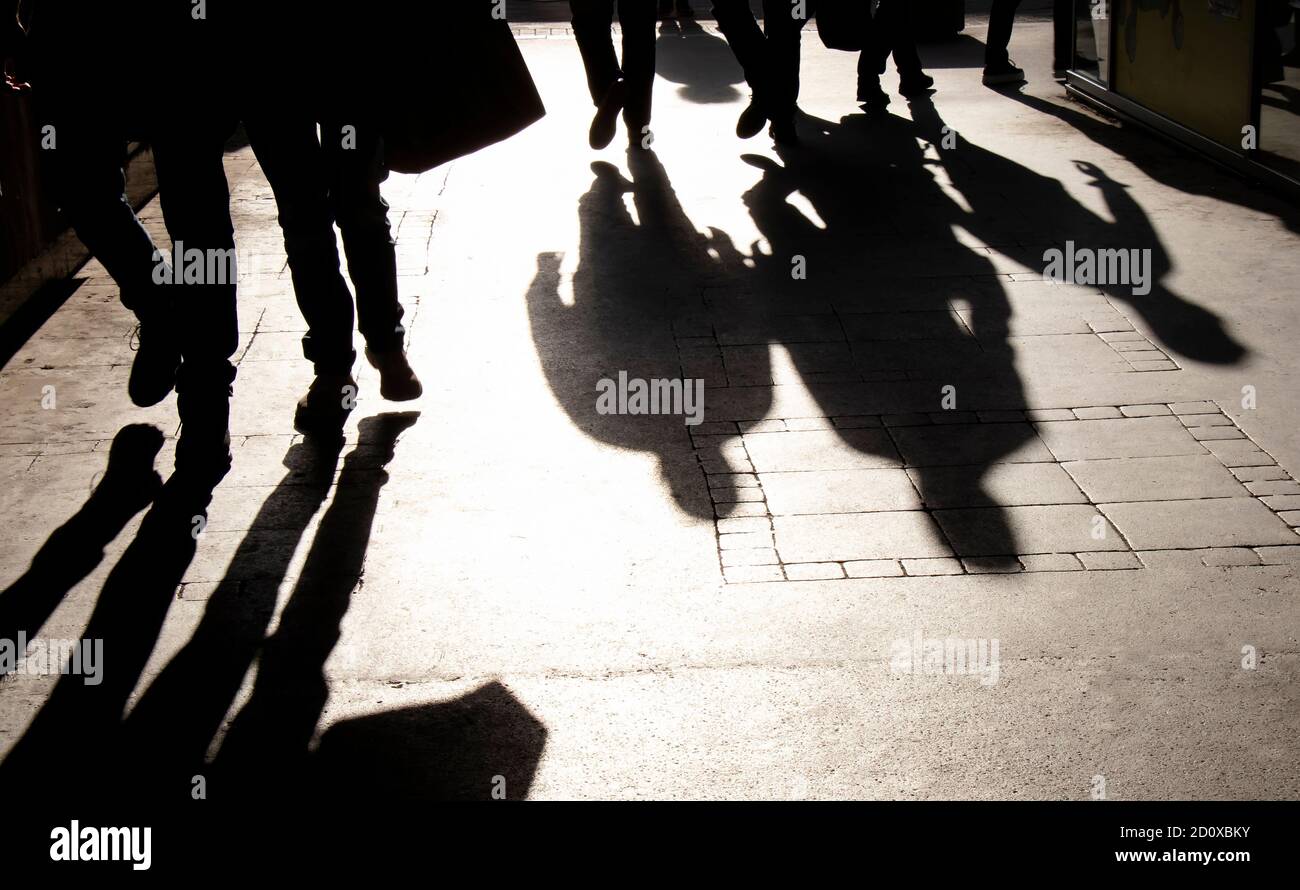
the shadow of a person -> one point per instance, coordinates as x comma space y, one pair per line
1168, 165
72, 552
482, 745
128, 617
269, 737
171, 726
884, 336
701, 63
635, 285
1185, 327
883, 264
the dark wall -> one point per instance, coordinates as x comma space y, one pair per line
28, 219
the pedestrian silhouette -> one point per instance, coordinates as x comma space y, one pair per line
627, 86
85, 125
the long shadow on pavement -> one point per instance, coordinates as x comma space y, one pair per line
470, 747
873, 326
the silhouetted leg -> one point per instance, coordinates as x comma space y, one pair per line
747, 43
1062, 34
592, 20
354, 177
895, 21
871, 61
1001, 17
91, 188
637, 18
196, 207
296, 167
783, 32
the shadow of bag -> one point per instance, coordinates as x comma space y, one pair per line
844, 24
459, 84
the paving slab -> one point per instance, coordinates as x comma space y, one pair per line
858, 536
839, 491
1015, 530
1180, 525
963, 444
1155, 478
1005, 484
821, 450
1128, 437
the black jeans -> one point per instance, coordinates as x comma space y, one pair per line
90, 187
318, 182
1003, 14
769, 57
196, 208
591, 26
891, 32
355, 170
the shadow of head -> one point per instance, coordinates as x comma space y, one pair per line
482, 746
701, 63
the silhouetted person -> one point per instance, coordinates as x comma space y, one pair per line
86, 118
770, 59
998, 68
317, 183
892, 33
627, 87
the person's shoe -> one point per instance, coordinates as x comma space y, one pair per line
914, 85
873, 99
1000, 75
783, 133
1058, 74
751, 120
397, 380
153, 373
326, 406
605, 124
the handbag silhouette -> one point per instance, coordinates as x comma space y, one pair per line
844, 24
458, 84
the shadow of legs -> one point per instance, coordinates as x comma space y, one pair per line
77, 547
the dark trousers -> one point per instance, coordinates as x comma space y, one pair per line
196, 208
769, 57
592, 20
1002, 16
891, 32
318, 182
86, 161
